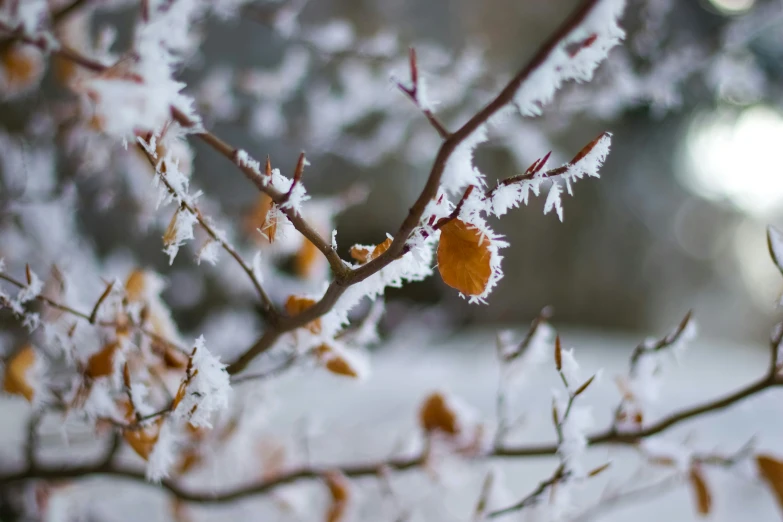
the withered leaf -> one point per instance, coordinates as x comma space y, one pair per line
340, 491
335, 362
296, 305
437, 415
143, 440
307, 259
363, 254
464, 257
16, 379
701, 492
21, 66
771, 470
101, 364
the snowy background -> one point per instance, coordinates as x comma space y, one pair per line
369, 421
676, 222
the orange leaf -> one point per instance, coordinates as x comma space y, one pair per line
261, 217
21, 67
771, 471
135, 285
296, 305
189, 460
340, 491
16, 373
703, 496
464, 257
171, 231
306, 261
335, 362
437, 415
101, 364
363, 254
143, 440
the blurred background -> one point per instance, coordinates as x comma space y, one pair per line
676, 222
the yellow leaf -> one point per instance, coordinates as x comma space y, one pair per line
363, 254
101, 364
700, 490
464, 257
296, 305
771, 471
16, 379
437, 415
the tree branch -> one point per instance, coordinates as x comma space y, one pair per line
606, 438
267, 306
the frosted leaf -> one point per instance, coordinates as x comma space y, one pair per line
570, 369
537, 353
243, 159
575, 57
208, 390
574, 445
508, 195
495, 244
553, 201
179, 231
209, 252
30, 291
163, 455
138, 394
665, 450
459, 171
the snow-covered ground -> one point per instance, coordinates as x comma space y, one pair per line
371, 420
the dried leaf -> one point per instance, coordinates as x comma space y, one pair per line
296, 305
170, 236
584, 386
259, 218
143, 440
437, 415
771, 470
700, 490
464, 257
587, 148
16, 379
363, 254
340, 491
135, 285
307, 260
101, 364
22, 66
335, 362
600, 469
189, 460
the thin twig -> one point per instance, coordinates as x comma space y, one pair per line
534, 496
267, 306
